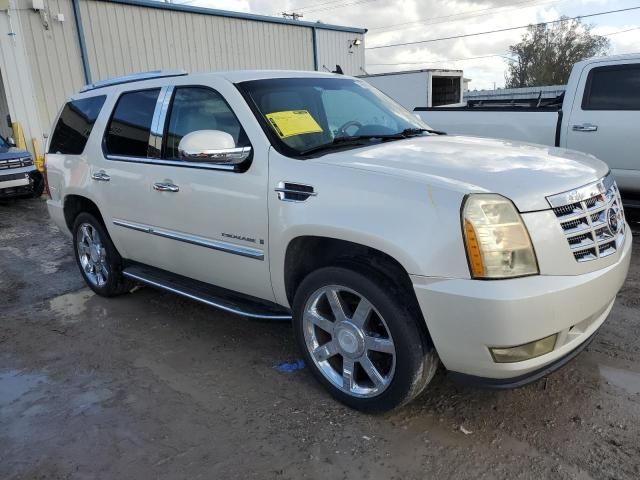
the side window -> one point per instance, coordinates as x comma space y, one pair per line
200, 108
130, 125
75, 124
615, 87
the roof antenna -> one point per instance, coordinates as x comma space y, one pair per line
338, 70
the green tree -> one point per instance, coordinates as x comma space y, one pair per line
546, 53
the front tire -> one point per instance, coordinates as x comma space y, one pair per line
361, 340
97, 257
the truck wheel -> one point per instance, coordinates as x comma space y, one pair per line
97, 257
38, 186
360, 339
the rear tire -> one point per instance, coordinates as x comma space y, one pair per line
361, 340
97, 257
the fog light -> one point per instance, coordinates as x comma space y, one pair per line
524, 352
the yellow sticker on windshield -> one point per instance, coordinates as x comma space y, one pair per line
292, 123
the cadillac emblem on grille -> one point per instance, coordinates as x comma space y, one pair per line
614, 220
592, 219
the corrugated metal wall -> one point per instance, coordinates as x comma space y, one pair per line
333, 49
5, 131
125, 38
121, 39
54, 56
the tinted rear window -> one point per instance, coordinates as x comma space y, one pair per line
616, 87
75, 124
129, 128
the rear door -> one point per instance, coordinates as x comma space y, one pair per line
605, 117
119, 176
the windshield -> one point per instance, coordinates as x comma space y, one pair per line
303, 115
4, 145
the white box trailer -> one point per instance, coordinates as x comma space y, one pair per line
420, 88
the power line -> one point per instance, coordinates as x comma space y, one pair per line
439, 61
313, 9
621, 31
302, 7
330, 6
503, 55
308, 8
453, 37
469, 14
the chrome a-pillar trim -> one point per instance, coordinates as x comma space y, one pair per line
227, 247
159, 120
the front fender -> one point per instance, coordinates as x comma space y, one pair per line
416, 224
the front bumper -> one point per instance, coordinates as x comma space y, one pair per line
466, 317
16, 182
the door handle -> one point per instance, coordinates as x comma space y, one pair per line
166, 187
585, 127
100, 176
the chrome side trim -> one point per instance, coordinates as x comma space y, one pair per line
173, 163
582, 193
206, 301
242, 251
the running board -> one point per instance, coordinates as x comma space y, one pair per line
217, 297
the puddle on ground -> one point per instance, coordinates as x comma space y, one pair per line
629, 381
14, 384
71, 304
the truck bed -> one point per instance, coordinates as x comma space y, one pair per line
527, 125
534, 120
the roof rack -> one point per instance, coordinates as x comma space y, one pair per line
135, 77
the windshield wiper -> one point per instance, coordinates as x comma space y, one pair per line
412, 132
339, 142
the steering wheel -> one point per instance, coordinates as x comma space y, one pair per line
342, 131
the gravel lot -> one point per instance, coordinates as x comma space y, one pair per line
152, 386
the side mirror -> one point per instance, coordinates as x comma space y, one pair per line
11, 142
212, 146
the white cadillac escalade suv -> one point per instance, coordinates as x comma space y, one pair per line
276, 194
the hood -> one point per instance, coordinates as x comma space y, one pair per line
524, 173
13, 153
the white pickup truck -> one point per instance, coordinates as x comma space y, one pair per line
312, 196
599, 114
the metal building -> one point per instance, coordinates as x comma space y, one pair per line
49, 49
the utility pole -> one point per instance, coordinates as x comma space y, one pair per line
292, 15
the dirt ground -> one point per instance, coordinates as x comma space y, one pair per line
153, 386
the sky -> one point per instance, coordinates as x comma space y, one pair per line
397, 21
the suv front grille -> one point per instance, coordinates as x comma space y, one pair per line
592, 219
15, 163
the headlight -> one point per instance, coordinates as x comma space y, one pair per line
496, 239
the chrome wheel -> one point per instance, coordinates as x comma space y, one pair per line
349, 341
92, 255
